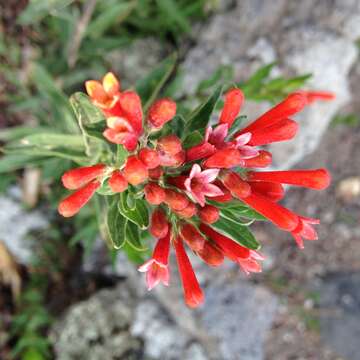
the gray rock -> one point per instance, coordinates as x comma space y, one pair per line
162, 338
340, 313
239, 315
98, 328
16, 223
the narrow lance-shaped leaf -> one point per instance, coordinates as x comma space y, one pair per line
136, 212
116, 224
199, 119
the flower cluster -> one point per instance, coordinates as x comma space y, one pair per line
188, 188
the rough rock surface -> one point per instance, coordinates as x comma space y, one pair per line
239, 315
305, 36
98, 328
16, 222
340, 306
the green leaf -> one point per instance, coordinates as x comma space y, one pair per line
192, 139
173, 13
18, 132
116, 224
133, 237
175, 126
223, 74
105, 190
237, 232
12, 162
199, 119
38, 9
237, 125
137, 212
112, 16
86, 112
90, 120
53, 140
149, 87
133, 255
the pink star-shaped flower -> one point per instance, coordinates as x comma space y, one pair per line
198, 184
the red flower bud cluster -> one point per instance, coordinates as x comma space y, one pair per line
187, 190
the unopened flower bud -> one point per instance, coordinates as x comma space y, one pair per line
76, 178
238, 187
161, 111
170, 144
192, 237
159, 225
188, 212
135, 172
73, 203
209, 214
149, 157
211, 254
117, 182
154, 194
176, 200
156, 173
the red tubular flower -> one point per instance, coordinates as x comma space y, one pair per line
283, 130
263, 160
161, 111
76, 178
156, 173
209, 214
280, 216
187, 212
192, 237
120, 131
318, 95
135, 172
131, 109
233, 101
293, 104
211, 254
157, 269
230, 248
192, 291
305, 230
149, 157
251, 264
117, 182
154, 194
169, 144
272, 191
73, 203
238, 187
317, 179
201, 151
159, 225
104, 94
175, 200
222, 198
224, 159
